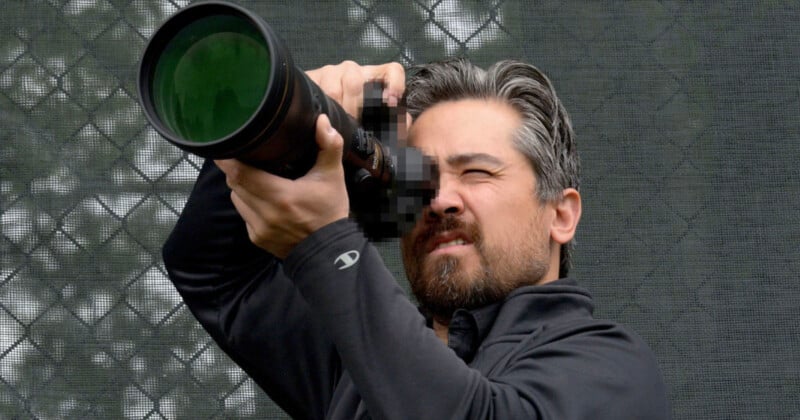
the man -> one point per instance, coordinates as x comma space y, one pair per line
504, 335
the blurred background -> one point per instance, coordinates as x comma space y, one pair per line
687, 116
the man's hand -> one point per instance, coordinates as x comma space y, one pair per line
344, 83
279, 212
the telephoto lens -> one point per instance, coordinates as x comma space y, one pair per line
216, 81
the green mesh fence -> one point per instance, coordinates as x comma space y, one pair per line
687, 119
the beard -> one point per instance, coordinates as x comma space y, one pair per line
442, 284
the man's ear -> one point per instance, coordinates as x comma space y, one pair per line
568, 214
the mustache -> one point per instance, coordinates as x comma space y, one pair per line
446, 224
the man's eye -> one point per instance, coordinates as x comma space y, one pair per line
477, 172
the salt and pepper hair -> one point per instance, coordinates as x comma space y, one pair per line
545, 136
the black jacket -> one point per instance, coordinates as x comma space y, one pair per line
337, 338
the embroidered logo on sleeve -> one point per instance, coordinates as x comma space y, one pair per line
346, 260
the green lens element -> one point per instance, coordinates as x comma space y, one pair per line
211, 78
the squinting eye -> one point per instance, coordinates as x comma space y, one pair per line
481, 172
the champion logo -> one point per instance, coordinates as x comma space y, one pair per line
347, 259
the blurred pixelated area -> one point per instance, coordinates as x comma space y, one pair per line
687, 120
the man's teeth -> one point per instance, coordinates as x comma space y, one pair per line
451, 243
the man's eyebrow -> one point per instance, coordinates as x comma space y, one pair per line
467, 158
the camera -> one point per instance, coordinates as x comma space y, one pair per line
216, 81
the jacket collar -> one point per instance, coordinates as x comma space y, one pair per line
523, 311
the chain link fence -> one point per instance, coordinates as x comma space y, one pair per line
687, 119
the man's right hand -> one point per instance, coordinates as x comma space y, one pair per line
278, 212
344, 83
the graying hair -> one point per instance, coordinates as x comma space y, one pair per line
545, 136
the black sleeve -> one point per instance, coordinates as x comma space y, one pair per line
241, 296
403, 371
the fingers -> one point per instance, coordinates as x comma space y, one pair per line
237, 172
330, 142
344, 83
240, 178
403, 128
251, 183
353, 92
393, 76
252, 219
259, 230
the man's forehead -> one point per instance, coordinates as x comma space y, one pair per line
472, 129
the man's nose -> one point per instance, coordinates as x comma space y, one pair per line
446, 202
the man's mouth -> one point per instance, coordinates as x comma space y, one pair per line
454, 242
448, 240
447, 235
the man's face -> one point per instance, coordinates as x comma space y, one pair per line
486, 232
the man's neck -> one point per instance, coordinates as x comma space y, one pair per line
441, 330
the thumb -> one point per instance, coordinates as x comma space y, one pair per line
330, 144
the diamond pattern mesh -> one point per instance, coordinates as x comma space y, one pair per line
687, 118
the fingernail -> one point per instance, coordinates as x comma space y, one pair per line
390, 99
